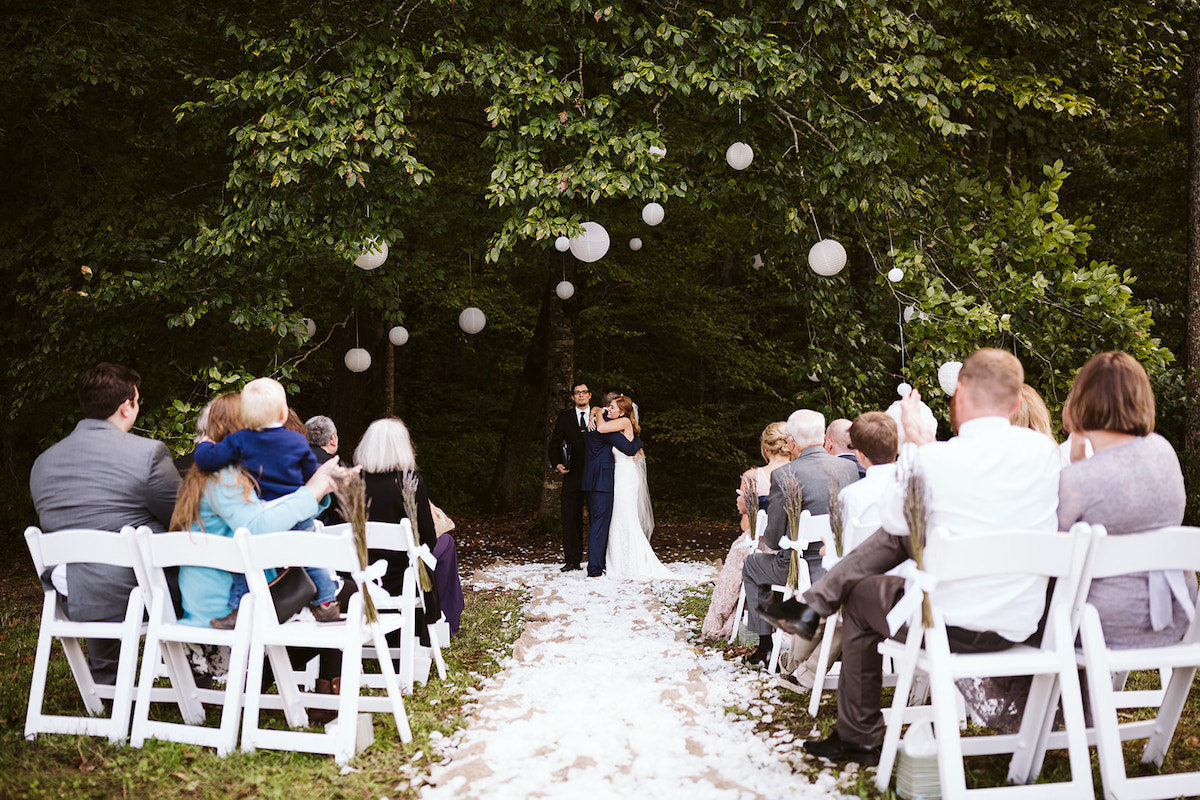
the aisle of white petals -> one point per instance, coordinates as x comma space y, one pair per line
604, 697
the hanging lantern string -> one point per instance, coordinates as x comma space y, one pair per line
815, 225
356, 327
903, 355
739, 99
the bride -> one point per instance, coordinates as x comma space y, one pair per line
629, 555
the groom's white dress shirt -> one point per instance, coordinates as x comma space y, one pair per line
991, 477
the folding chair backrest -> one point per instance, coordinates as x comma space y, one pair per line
81, 546
326, 548
1176, 547
189, 548
855, 532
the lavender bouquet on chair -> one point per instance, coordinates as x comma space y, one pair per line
351, 493
793, 502
408, 490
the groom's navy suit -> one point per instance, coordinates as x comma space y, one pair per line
598, 467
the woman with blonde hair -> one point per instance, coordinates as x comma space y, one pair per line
773, 444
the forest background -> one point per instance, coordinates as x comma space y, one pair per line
188, 184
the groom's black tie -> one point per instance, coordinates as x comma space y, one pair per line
582, 423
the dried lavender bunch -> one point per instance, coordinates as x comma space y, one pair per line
836, 523
351, 492
916, 514
793, 503
750, 497
408, 491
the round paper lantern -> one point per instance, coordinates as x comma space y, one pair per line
307, 327
357, 359
739, 155
827, 257
398, 335
592, 244
757, 261
908, 313
904, 390
562, 244
948, 376
373, 257
652, 214
895, 274
565, 290
635, 244
472, 320
658, 151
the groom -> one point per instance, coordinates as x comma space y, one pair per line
598, 467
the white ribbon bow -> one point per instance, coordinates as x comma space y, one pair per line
1163, 585
368, 580
423, 553
788, 543
916, 583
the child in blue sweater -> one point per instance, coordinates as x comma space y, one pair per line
281, 462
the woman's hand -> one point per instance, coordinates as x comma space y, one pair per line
325, 479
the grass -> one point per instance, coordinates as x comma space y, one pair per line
55, 766
791, 716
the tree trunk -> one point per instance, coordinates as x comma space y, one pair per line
1192, 429
560, 378
525, 419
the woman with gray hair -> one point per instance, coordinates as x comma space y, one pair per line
387, 458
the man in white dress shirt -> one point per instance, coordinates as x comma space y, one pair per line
992, 476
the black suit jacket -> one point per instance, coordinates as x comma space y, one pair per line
566, 431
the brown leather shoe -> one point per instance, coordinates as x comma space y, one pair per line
323, 716
328, 612
226, 622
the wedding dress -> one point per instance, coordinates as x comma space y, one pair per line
629, 555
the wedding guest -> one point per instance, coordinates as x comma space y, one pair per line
278, 458
217, 504
104, 477
873, 438
387, 458
1032, 412
991, 476
817, 473
322, 437
1131, 483
775, 450
837, 443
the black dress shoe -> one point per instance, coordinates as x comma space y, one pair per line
791, 616
835, 749
569, 567
759, 658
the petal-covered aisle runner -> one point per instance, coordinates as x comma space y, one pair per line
604, 697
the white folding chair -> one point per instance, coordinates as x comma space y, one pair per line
812, 528
739, 611
1174, 548
165, 638
74, 547
1060, 556
271, 638
412, 657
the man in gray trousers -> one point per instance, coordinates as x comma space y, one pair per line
104, 477
818, 473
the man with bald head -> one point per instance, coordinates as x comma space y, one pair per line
818, 474
992, 476
837, 443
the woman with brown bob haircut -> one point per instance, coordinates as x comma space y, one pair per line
1132, 483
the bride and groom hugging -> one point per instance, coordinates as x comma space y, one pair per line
597, 452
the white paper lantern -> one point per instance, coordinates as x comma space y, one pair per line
904, 390
827, 257
757, 261
635, 244
908, 313
398, 335
739, 155
658, 151
372, 256
948, 376
652, 214
357, 359
472, 320
307, 327
565, 290
592, 244
562, 244
895, 275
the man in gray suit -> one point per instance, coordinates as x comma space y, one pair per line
104, 477
818, 473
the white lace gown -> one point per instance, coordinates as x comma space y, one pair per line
629, 556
